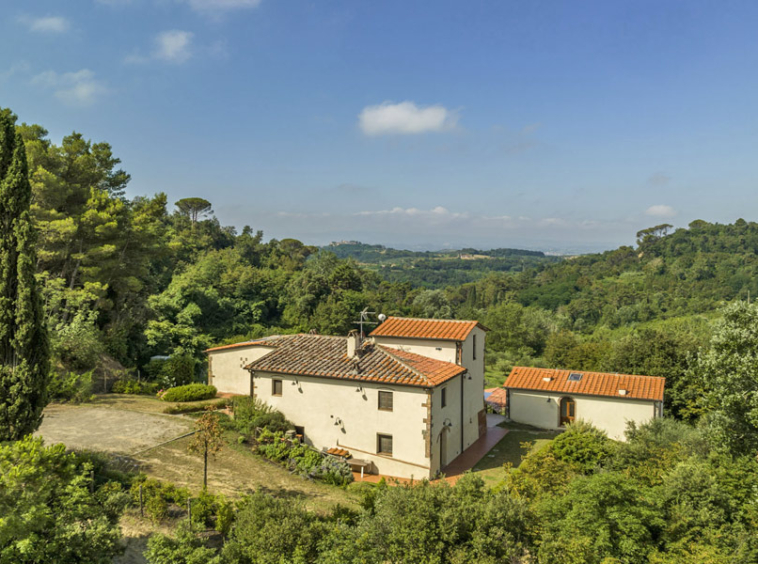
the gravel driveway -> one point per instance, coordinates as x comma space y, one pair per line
108, 429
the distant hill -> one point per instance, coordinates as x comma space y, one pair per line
436, 269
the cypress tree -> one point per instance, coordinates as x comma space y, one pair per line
24, 349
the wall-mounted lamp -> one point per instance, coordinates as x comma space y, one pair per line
548, 400
295, 382
338, 421
359, 389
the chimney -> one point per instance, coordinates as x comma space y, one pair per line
353, 344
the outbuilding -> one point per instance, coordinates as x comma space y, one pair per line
551, 398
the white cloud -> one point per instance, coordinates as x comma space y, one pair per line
437, 213
46, 24
22, 67
660, 210
173, 46
79, 88
405, 118
219, 6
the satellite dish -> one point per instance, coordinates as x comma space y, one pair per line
382, 317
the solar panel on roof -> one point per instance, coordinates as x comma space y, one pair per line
575, 376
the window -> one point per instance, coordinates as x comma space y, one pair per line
276, 387
575, 377
444, 396
474, 343
385, 401
384, 444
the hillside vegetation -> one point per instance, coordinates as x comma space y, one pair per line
129, 278
437, 269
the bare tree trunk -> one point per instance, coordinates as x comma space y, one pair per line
205, 466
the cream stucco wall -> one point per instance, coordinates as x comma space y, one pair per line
439, 350
446, 423
473, 385
606, 413
318, 403
226, 368
473, 392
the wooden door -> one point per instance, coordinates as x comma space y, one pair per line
568, 411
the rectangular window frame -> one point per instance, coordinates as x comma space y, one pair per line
443, 397
385, 436
385, 394
474, 346
274, 383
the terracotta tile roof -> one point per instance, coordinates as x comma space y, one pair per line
495, 397
591, 383
263, 341
438, 329
323, 356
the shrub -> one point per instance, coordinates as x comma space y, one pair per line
274, 447
190, 392
582, 444
179, 370
70, 386
157, 496
78, 344
156, 508
185, 547
332, 471
195, 407
304, 460
251, 414
154, 368
129, 386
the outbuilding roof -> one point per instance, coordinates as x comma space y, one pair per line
496, 397
437, 329
586, 383
257, 342
324, 356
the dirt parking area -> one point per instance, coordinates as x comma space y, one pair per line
134, 426
108, 429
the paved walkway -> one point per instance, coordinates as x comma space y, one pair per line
474, 453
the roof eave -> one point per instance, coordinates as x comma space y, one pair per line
572, 393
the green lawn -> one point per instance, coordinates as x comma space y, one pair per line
509, 449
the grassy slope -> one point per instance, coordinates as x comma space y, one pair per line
510, 451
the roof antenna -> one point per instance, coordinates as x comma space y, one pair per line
364, 321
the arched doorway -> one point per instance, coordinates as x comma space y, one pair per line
568, 411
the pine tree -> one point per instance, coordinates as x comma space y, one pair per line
24, 350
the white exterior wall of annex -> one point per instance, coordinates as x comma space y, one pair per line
318, 403
609, 414
226, 368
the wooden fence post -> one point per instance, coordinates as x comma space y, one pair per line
141, 509
189, 512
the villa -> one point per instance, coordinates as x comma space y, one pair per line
406, 400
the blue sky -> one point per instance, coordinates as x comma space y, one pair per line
554, 125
